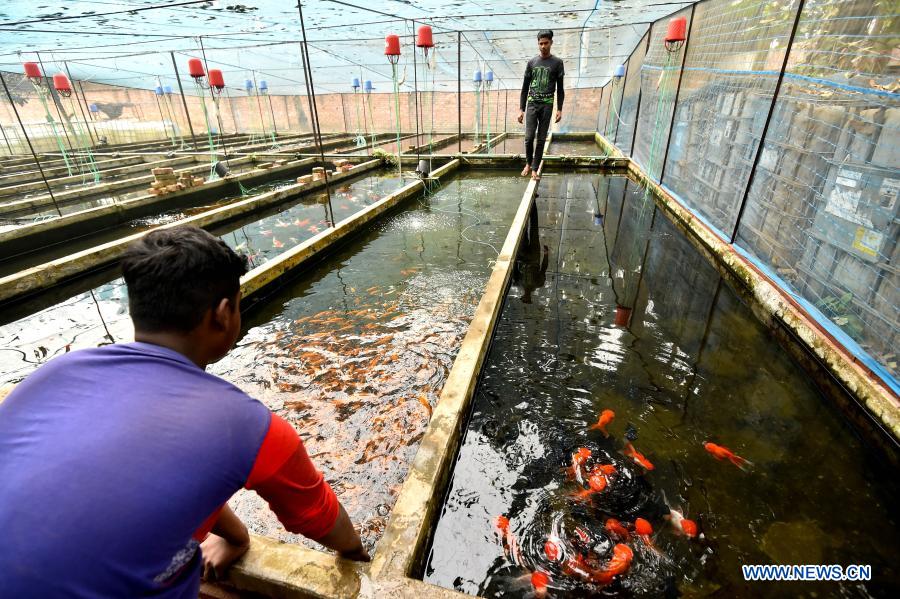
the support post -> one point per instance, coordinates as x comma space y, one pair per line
30, 147
187, 114
415, 92
637, 112
505, 108
313, 111
687, 41
55, 97
343, 113
459, 88
81, 106
765, 129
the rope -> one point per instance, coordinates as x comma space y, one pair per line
209, 137
397, 107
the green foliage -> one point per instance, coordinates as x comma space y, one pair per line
386, 157
840, 311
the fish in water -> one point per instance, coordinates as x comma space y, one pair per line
266, 232
644, 529
606, 417
596, 484
637, 456
552, 549
313, 229
301, 223
280, 223
539, 581
681, 524
723, 453
617, 565
240, 247
578, 459
277, 243
617, 529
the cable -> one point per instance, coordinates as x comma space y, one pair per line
106, 14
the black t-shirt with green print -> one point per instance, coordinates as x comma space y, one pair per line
543, 76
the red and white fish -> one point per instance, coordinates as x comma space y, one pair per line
637, 456
579, 457
616, 566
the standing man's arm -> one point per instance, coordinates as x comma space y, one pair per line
523, 97
560, 92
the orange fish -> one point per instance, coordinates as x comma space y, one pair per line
552, 549
615, 528
301, 223
723, 453
277, 243
502, 524
637, 456
267, 233
578, 459
539, 582
644, 529
597, 483
424, 401
617, 565
313, 229
681, 524
606, 469
606, 416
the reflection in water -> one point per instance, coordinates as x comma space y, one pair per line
91, 318
632, 319
356, 353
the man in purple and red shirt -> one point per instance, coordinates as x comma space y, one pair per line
116, 462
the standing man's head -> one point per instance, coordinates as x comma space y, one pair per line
545, 42
184, 292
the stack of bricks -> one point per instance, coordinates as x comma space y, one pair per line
305, 179
342, 166
318, 173
165, 181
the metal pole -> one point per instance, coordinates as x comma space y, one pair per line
314, 113
80, 106
415, 92
262, 123
637, 112
6, 139
212, 95
56, 104
762, 137
459, 88
272, 111
30, 147
687, 41
90, 114
184, 101
505, 108
621, 100
344, 113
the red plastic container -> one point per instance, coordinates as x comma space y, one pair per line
32, 70
391, 45
623, 315
195, 68
216, 79
61, 84
677, 31
424, 39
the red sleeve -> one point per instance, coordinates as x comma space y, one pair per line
286, 478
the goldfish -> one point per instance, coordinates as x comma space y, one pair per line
552, 549
637, 456
723, 453
313, 229
539, 582
596, 484
617, 565
615, 528
509, 540
606, 469
606, 416
266, 233
578, 459
281, 223
301, 223
644, 529
681, 524
424, 401
277, 243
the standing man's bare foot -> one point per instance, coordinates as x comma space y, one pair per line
535, 176
526, 170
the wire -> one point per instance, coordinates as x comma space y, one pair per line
106, 14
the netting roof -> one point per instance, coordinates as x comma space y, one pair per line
128, 42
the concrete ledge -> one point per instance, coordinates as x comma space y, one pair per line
772, 304
40, 234
51, 273
412, 517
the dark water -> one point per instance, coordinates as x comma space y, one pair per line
355, 353
91, 318
468, 143
621, 313
585, 147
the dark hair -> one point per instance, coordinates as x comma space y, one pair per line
175, 275
546, 33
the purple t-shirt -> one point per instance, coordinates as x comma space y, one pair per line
110, 460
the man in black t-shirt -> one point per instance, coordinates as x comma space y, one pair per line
543, 76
